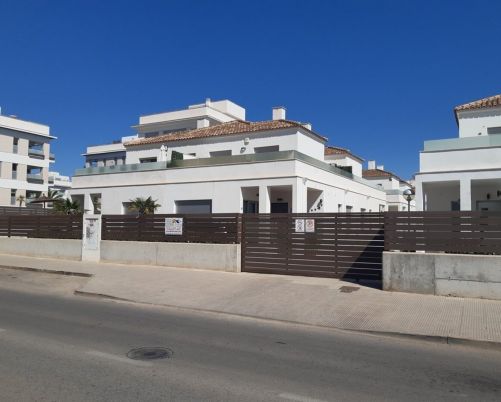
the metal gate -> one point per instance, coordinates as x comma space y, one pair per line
343, 245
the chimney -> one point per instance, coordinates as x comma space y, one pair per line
278, 113
371, 165
380, 167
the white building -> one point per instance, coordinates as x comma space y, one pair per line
464, 173
393, 185
60, 183
24, 159
207, 158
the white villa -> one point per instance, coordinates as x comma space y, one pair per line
464, 173
209, 159
393, 185
24, 160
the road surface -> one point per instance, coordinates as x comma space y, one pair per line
59, 347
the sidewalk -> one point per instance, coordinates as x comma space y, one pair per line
314, 301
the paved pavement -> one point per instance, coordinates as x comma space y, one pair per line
67, 348
315, 301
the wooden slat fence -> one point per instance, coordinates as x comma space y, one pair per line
40, 226
26, 211
197, 228
344, 245
462, 232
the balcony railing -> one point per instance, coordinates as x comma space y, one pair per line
52, 157
14, 149
34, 177
451, 144
36, 152
14, 175
221, 161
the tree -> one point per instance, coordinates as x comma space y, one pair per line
21, 199
144, 206
66, 206
54, 195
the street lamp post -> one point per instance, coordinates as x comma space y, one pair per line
409, 196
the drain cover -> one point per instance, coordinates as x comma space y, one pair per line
348, 289
150, 353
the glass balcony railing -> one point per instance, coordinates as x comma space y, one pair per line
34, 177
14, 175
221, 161
450, 144
14, 149
36, 152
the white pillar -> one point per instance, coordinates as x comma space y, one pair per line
264, 200
299, 196
88, 206
419, 195
465, 194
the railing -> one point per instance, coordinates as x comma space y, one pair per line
461, 232
37, 177
449, 144
40, 226
196, 228
224, 160
36, 152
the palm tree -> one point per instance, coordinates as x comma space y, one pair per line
66, 206
54, 195
144, 206
20, 199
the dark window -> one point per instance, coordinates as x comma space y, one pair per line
272, 148
194, 207
494, 130
147, 160
279, 208
220, 153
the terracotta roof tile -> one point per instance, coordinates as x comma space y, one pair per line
331, 150
491, 101
379, 173
230, 128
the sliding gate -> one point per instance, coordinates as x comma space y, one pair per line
343, 245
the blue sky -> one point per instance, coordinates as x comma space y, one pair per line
377, 77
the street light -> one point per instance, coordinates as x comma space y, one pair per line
409, 196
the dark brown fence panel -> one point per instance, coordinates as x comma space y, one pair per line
26, 211
197, 228
41, 226
341, 246
462, 232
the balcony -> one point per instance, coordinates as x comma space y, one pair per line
34, 177
37, 153
52, 157
14, 149
452, 144
222, 161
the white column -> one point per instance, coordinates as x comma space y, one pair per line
419, 195
465, 194
299, 196
264, 200
88, 206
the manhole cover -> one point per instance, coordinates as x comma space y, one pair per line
150, 353
348, 289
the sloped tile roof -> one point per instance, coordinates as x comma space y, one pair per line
230, 128
379, 173
331, 150
491, 101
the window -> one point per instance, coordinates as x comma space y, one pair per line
220, 153
14, 171
194, 207
260, 150
93, 163
493, 130
147, 160
15, 144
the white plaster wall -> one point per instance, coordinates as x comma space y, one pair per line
473, 122
340, 160
287, 140
482, 158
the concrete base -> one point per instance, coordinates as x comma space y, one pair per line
463, 275
67, 249
218, 257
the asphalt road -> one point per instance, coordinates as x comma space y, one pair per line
59, 347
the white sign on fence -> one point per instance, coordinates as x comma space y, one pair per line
174, 226
299, 225
310, 225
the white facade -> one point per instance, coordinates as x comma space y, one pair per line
24, 159
465, 172
60, 183
275, 169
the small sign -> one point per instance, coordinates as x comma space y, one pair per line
174, 226
299, 225
310, 225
